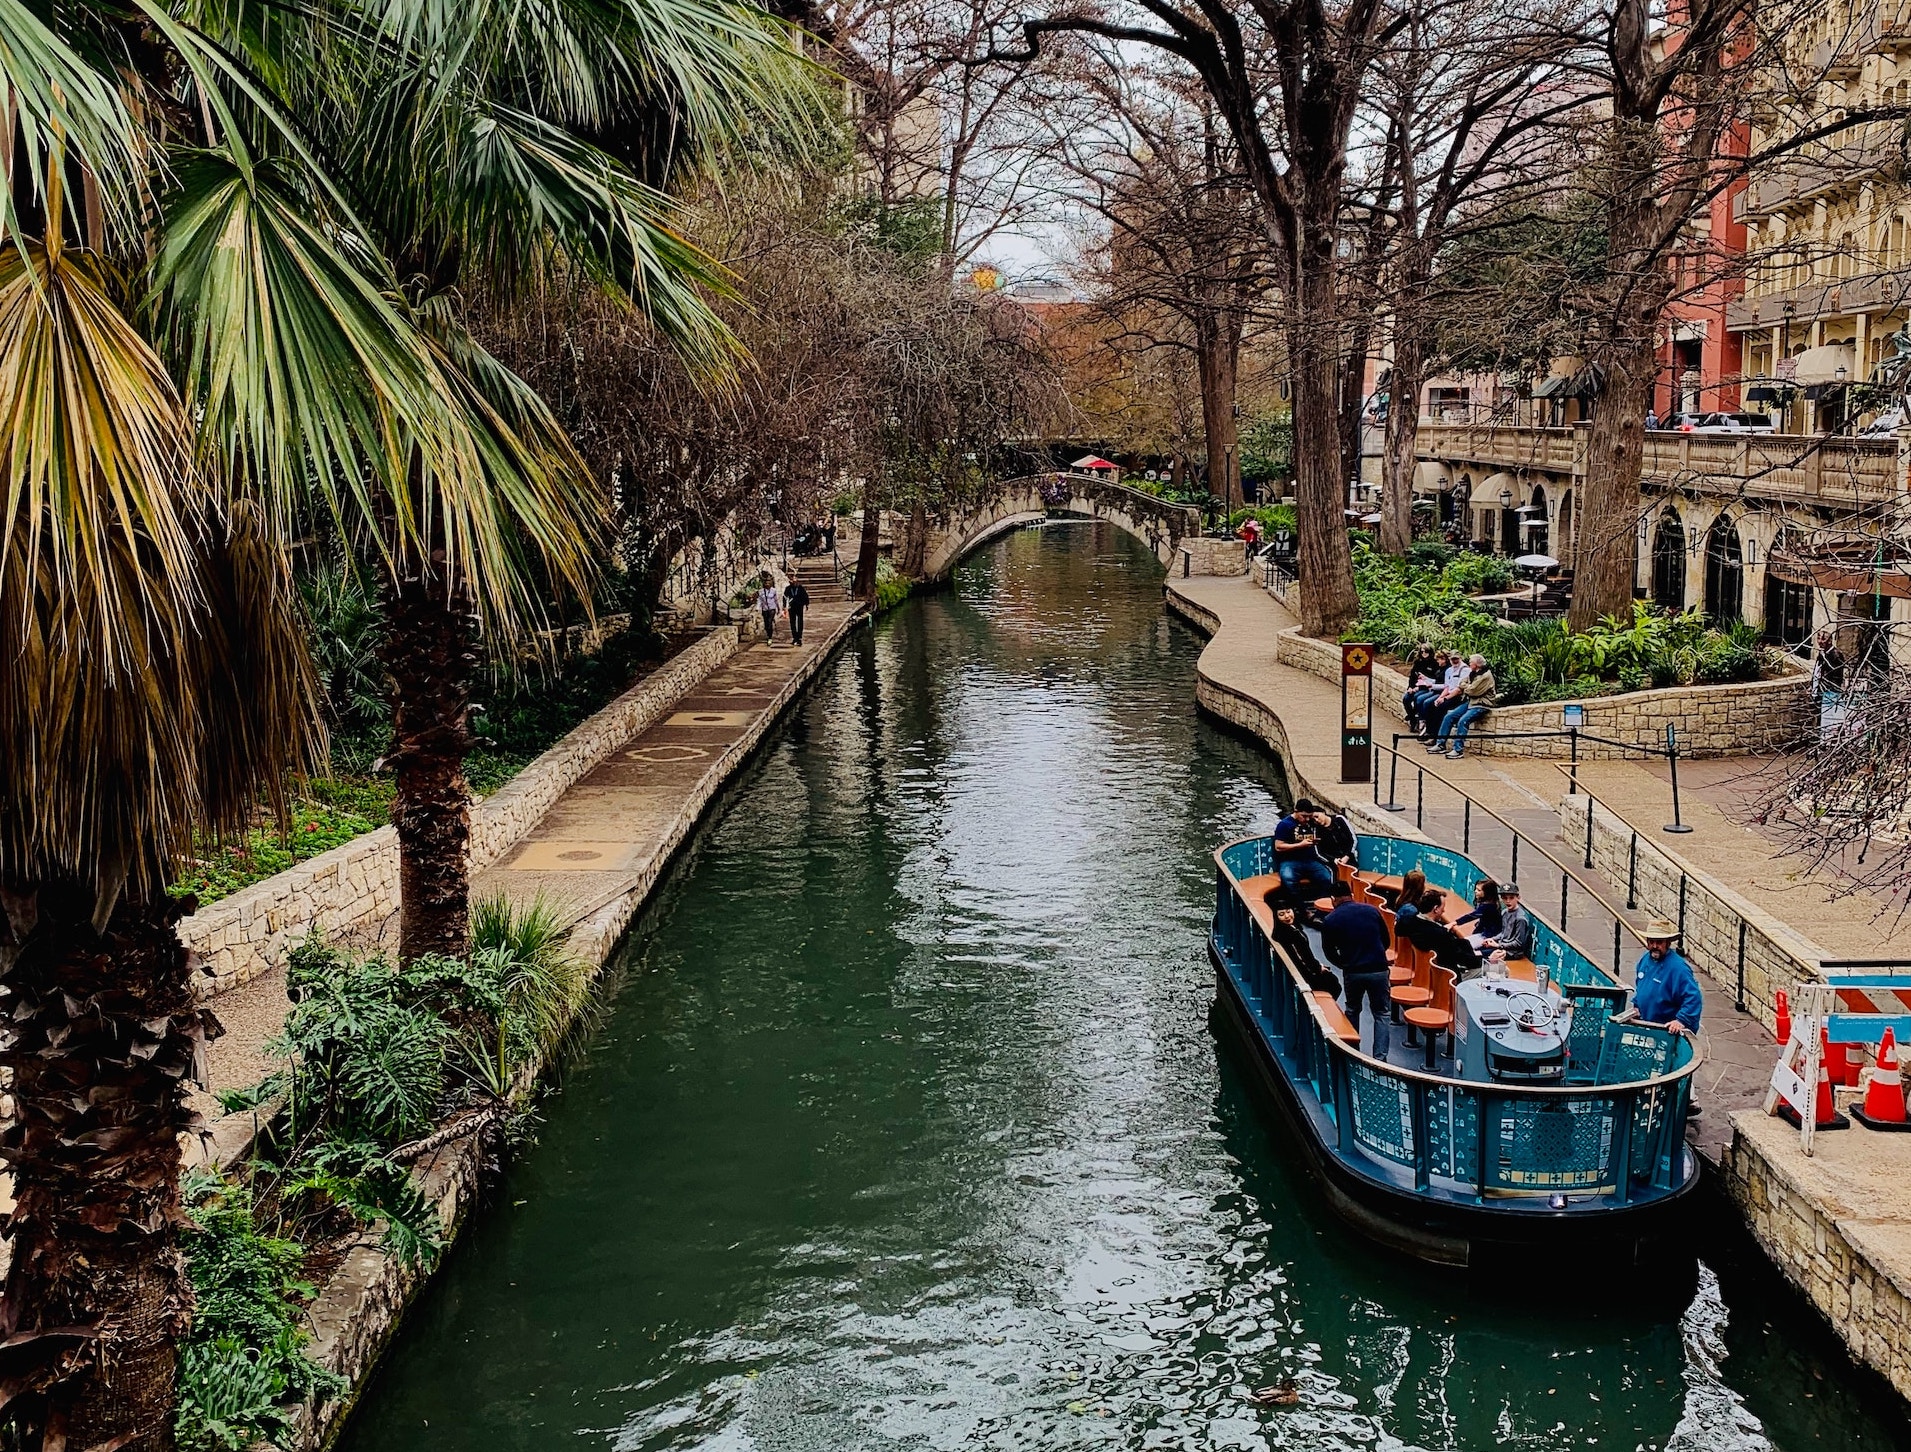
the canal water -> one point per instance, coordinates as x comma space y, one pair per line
906, 1125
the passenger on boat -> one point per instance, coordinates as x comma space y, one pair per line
1354, 938
1428, 930
1515, 937
1286, 932
1406, 897
1334, 839
1665, 991
1486, 910
1295, 857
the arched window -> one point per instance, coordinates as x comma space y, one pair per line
1724, 573
1668, 563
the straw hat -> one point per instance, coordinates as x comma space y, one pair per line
1661, 929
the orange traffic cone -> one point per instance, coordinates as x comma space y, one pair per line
1884, 1090
1832, 1056
1782, 1010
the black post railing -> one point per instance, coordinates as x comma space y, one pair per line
1677, 824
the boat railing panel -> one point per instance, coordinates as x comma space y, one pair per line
1620, 1140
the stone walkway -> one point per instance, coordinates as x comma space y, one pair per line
606, 840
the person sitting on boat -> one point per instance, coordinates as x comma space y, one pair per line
1486, 910
1286, 933
1428, 930
1295, 857
1515, 937
1665, 991
1405, 898
1334, 839
1354, 938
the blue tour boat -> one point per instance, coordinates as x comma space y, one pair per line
1584, 1118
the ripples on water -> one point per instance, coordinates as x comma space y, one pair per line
907, 1127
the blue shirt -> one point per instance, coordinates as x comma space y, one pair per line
1354, 938
1287, 833
1667, 991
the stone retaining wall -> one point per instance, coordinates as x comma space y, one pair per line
241, 936
1731, 720
1775, 954
1200, 555
1823, 1253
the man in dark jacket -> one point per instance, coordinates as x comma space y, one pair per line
1428, 930
1354, 938
796, 600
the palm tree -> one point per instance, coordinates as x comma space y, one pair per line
231, 275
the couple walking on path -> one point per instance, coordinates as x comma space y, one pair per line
793, 602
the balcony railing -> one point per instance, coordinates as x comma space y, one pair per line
1785, 468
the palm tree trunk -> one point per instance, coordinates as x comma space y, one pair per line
102, 1033
431, 657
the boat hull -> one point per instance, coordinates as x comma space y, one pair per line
1447, 1231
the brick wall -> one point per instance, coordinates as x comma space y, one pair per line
1775, 955
1735, 720
239, 937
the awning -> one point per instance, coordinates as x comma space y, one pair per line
1821, 364
1092, 461
1843, 576
1764, 393
1583, 384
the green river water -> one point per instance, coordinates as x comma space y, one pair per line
906, 1125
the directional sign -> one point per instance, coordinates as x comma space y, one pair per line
1356, 712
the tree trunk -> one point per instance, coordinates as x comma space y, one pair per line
915, 541
1328, 602
1609, 506
1218, 354
864, 588
430, 655
102, 1032
1353, 393
1403, 427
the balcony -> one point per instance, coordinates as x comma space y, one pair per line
1877, 292
1779, 468
1820, 170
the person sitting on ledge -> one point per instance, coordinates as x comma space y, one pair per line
1423, 673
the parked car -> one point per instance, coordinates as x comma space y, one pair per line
1733, 423
1888, 422
1680, 423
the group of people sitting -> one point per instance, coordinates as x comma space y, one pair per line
1447, 693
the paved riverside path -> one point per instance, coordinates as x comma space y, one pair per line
610, 836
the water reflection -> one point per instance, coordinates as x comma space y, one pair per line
907, 1128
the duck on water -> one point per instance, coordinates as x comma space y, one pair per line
1517, 1107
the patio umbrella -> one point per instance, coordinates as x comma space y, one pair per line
1535, 563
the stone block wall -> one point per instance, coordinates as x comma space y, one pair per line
239, 937
1199, 555
1774, 955
1823, 1255
1732, 720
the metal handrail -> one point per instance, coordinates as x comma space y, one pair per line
1620, 927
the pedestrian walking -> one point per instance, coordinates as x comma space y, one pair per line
769, 605
795, 601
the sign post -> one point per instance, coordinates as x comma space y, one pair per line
1356, 712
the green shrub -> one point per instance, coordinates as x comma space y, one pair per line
1270, 517
891, 588
242, 1365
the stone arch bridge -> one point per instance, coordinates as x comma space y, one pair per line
1160, 525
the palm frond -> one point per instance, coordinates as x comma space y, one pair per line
121, 582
